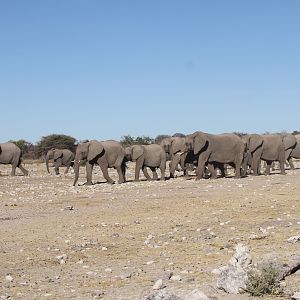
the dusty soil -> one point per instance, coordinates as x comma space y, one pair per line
114, 241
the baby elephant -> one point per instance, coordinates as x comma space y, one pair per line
61, 157
152, 156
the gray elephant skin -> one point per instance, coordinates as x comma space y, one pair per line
12, 154
269, 148
226, 148
106, 154
175, 148
295, 153
152, 156
61, 157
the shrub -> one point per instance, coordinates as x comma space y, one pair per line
128, 140
178, 134
264, 281
59, 141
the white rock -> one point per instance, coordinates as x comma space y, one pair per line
158, 285
233, 276
175, 278
294, 239
9, 278
296, 296
196, 295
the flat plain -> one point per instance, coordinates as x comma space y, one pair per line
114, 241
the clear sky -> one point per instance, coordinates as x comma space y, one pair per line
103, 69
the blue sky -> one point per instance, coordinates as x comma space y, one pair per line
103, 69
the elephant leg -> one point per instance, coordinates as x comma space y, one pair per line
13, 170
203, 158
290, 160
268, 167
175, 161
138, 167
68, 165
212, 171
104, 169
25, 172
67, 169
162, 170
120, 173
123, 169
57, 164
238, 166
146, 174
170, 166
281, 163
154, 173
255, 165
56, 169
89, 171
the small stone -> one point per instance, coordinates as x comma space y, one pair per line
294, 239
158, 285
97, 294
196, 295
216, 271
108, 270
69, 207
62, 258
126, 276
296, 296
176, 278
9, 278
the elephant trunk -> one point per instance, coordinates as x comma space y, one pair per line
76, 170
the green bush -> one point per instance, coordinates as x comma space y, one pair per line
264, 281
59, 141
128, 140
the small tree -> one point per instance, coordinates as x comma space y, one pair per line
178, 134
59, 141
144, 140
128, 140
240, 134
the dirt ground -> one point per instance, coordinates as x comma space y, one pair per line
114, 241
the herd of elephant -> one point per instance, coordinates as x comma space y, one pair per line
206, 153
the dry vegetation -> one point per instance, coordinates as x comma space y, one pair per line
115, 241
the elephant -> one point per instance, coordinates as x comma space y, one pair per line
226, 148
269, 148
175, 149
295, 152
152, 156
107, 154
12, 154
61, 157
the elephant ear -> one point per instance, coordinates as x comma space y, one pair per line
289, 141
255, 141
137, 151
95, 148
200, 141
57, 154
176, 146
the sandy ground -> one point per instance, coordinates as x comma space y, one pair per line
114, 241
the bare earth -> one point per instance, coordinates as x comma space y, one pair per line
114, 241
